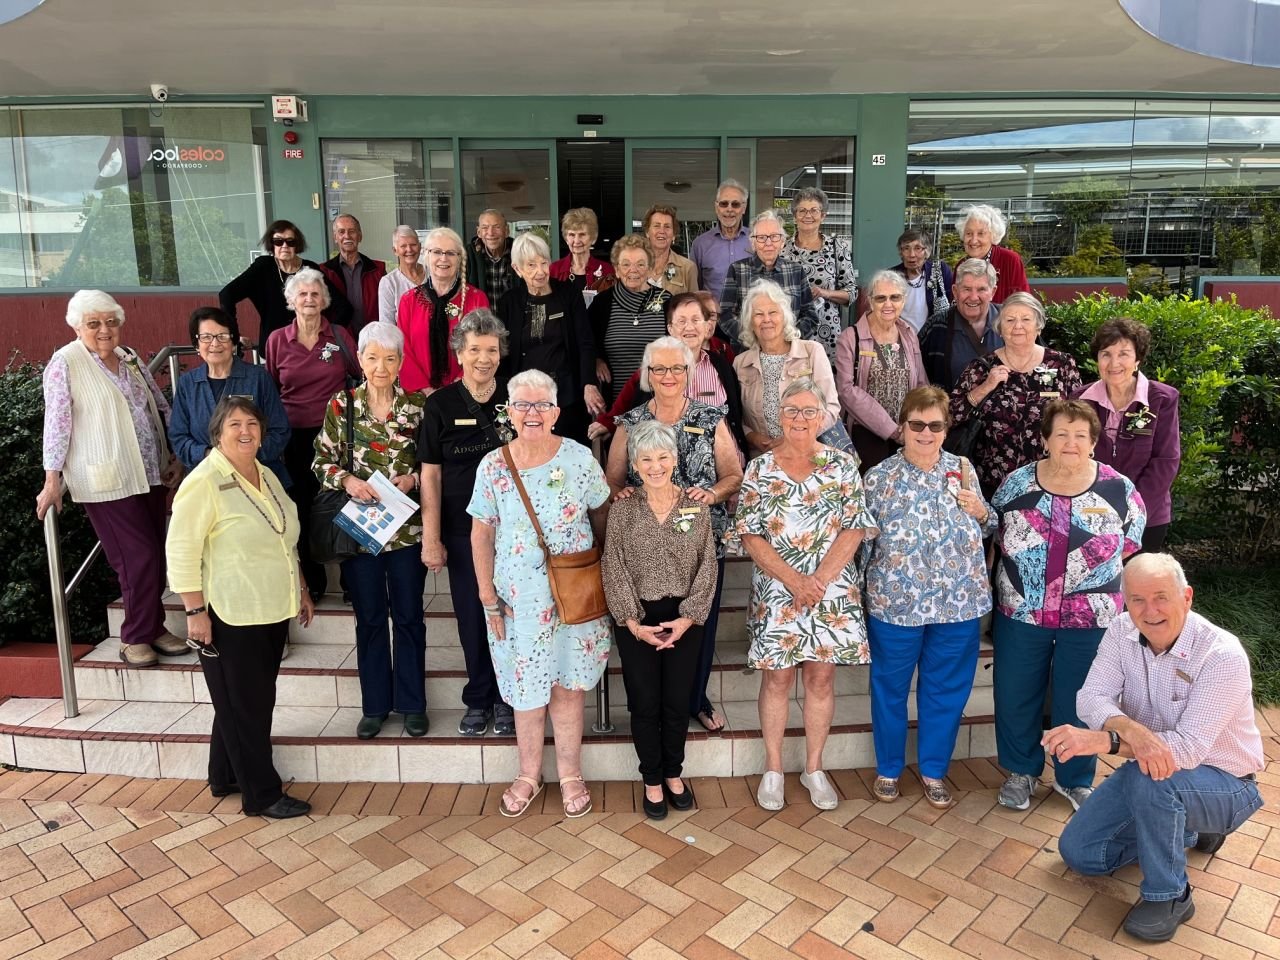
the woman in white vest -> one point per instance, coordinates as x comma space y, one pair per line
104, 434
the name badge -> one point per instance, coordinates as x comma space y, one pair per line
556, 316
697, 430
465, 422
1050, 393
805, 373
684, 511
829, 485
1182, 676
229, 485
866, 353
706, 393
1096, 510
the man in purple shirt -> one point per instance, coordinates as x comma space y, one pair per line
725, 243
1171, 691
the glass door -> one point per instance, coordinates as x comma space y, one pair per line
518, 179
676, 173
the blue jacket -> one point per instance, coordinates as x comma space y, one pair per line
193, 404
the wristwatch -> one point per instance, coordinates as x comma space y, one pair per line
1115, 742
196, 611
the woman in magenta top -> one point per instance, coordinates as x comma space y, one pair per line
429, 364
580, 229
981, 228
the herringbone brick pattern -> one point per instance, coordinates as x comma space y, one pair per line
100, 867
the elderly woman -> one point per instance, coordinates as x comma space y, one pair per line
927, 592
263, 282
628, 315
929, 281
827, 262
672, 272
802, 518
542, 664
409, 273
877, 364
578, 268
707, 467
461, 423
775, 356
548, 330
981, 228
1140, 433
217, 337
1008, 389
232, 560
310, 360
767, 263
659, 571
384, 422
104, 435
428, 313
1067, 523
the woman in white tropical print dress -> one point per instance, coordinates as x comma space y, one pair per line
802, 517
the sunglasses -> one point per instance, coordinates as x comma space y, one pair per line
917, 426
205, 650
284, 241
730, 204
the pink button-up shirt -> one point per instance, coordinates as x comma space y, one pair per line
1197, 696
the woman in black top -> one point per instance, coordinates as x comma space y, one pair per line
460, 424
548, 329
262, 284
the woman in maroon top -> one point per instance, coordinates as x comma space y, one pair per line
580, 229
981, 228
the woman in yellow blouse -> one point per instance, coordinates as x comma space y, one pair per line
232, 556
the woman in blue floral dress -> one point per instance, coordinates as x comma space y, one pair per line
927, 591
802, 517
540, 662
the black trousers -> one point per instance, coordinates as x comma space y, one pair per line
299, 453
481, 691
242, 686
1153, 538
659, 683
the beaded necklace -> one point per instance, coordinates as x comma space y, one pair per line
284, 520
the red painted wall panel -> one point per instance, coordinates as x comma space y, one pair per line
1249, 293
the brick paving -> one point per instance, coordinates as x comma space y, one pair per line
96, 866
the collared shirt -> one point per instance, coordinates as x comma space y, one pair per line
1097, 392
352, 274
786, 273
235, 543
1197, 696
497, 274
705, 384
712, 252
309, 377
965, 345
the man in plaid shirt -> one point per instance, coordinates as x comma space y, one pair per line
1173, 692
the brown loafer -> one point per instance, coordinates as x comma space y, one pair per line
138, 655
167, 645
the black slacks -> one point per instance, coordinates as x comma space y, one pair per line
242, 686
659, 683
299, 453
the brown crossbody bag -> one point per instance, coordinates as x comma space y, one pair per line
575, 580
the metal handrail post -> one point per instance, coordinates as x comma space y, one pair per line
604, 722
61, 617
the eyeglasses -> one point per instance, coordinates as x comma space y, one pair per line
214, 337
686, 321
767, 237
679, 369
524, 406
888, 297
284, 241
917, 426
111, 323
806, 214
809, 413
204, 650
730, 204
449, 254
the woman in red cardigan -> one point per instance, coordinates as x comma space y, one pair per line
429, 364
982, 227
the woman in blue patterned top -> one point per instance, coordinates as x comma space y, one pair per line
1067, 523
927, 591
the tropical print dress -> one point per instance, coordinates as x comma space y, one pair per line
801, 521
537, 649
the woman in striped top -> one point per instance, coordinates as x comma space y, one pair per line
628, 315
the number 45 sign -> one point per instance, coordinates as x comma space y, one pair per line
877, 159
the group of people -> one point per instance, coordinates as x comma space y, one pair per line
739, 414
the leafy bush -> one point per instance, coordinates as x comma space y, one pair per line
26, 612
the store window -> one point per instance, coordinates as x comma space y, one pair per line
515, 181
784, 165
130, 197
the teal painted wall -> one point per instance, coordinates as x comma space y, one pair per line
880, 191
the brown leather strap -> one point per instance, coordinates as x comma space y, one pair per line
515, 475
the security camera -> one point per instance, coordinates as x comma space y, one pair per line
159, 92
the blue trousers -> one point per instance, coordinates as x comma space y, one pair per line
698, 701
946, 655
393, 582
1131, 817
481, 691
1025, 657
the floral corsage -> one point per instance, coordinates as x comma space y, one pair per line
502, 423
453, 310
655, 306
327, 352
1140, 420
685, 523
1047, 377
670, 272
556, 481
953, 482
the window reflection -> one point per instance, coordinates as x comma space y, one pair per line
516, 182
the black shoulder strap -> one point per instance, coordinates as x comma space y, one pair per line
477, 411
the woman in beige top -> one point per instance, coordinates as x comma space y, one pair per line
659, 570
669, 270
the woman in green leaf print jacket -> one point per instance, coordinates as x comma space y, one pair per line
802, 517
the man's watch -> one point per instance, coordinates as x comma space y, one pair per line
1115, 742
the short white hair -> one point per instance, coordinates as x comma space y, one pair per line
986, 214
404, 230
803, 385
385, 335
91, 301
663, 343
534, 380
731, 184
528, 246
892, 277
305, 277
973, 267
771, 291
1158, 565
1021, 299
770, 216
650, 435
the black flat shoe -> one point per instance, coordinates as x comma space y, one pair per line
679, 801
283, 809
1210, 842
224, 791
416, 724
655, 809
369, 727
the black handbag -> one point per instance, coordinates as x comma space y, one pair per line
962, 439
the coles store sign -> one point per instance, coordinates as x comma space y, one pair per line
187, 157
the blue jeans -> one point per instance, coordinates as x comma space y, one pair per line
391, 582
946, 654
1131, 817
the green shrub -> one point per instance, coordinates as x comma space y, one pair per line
26, 612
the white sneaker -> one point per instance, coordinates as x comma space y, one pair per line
1076, 796
821, 794
769, 796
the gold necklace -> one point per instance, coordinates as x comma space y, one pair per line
482, 395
